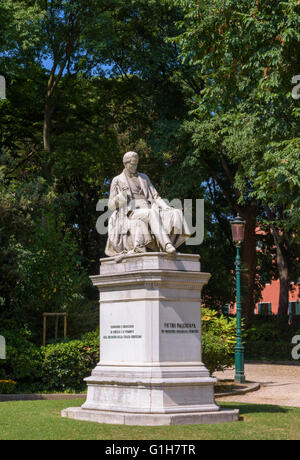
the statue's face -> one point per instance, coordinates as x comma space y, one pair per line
131, 165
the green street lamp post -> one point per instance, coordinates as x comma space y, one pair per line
238, 231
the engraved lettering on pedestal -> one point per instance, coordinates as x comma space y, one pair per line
180, 328
122, 331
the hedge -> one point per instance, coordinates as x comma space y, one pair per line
54, 368
65, 365
23, 364
268, 350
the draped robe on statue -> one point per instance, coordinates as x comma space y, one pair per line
141, 219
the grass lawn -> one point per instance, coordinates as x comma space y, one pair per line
40, 420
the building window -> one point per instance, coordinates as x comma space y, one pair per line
264, 308
294, 308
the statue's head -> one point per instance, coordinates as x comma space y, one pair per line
131, 160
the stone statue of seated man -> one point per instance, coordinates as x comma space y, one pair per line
141, 220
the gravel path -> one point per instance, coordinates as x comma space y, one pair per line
280, 384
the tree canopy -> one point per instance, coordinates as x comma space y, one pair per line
202, 90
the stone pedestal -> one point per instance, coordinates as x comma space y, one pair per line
150, 371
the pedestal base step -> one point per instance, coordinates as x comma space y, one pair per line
123, 418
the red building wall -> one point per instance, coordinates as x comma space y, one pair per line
270, 294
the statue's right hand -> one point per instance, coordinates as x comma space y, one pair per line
124, 193
123, 196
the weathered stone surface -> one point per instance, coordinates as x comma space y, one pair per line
222, 416
141, 220
150, 261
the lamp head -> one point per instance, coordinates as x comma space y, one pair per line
238, 230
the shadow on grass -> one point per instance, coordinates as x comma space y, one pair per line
256, 408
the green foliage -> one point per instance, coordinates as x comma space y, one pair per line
53, 279
246, 54
65, 365
20, 22
7, 387
218, 340
271, 329
23, 362
56, 367
52, 273
279, 184
268, 351
270, 339
211, 114
91, 337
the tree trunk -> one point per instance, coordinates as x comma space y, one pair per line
283, 264
47, 126
48, 113
249, 261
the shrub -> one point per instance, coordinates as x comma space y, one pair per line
65, 365
93, 336
57, 367
23, 361
270, 339
271, 329
7, 387
218, 340
268, 350
53, 279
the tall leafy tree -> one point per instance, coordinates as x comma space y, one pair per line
247, 54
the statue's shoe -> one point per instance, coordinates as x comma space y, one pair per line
169, 248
